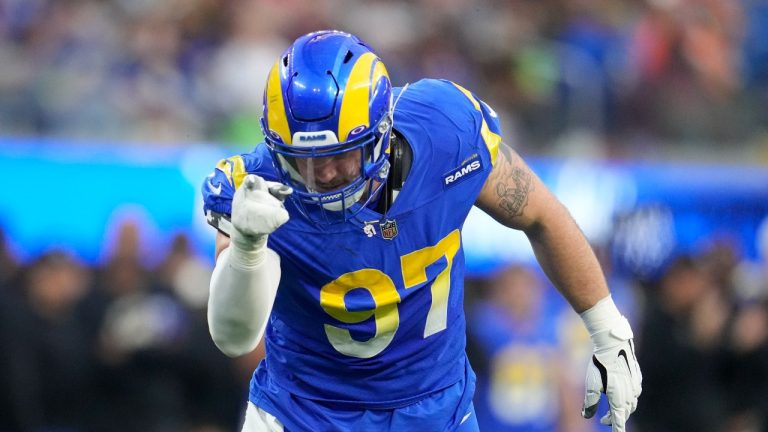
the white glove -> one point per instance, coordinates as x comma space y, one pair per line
257, 210
613, 369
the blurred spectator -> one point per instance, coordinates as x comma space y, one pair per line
234, 78
160, 370
185, 274
151, 88
131, 354
214, 387
521, 359
47, 380
745, 361
689, 88
680, 349
746, 371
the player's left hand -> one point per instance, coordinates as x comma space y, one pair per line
614, 371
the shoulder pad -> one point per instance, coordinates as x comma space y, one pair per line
219, 186
490, 129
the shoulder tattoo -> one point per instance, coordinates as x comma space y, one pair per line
513, 186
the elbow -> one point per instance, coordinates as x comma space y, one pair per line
234, 341
534, 230
233, 349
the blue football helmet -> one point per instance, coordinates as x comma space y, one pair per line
327, 122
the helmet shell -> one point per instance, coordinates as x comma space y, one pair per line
327, 95
326, 81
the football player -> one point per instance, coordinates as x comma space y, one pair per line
339, 241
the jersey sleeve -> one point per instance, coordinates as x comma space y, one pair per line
455, 137
218, 189
489, 128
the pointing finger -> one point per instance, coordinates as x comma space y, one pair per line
279, 190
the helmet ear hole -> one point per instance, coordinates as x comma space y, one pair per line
348, 57
285, 61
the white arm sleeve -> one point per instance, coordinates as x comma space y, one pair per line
241, 299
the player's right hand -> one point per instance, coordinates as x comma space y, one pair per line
257, 211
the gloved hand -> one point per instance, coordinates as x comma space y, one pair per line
613, 369
257, 210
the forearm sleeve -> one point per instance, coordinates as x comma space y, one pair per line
241, 299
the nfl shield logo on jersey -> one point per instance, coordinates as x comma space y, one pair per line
388, 229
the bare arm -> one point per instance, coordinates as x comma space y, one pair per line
516, 197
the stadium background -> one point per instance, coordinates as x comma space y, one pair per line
648, 118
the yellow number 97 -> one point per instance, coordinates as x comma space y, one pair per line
387, 318
386, 299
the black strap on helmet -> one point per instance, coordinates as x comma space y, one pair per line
400, 159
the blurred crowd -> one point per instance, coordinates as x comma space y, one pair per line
704, 347
636, 78
124, 347
115, 348
701, 329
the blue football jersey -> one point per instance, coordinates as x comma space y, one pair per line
369, 313
520, 388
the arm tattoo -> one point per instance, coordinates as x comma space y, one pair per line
513, 187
